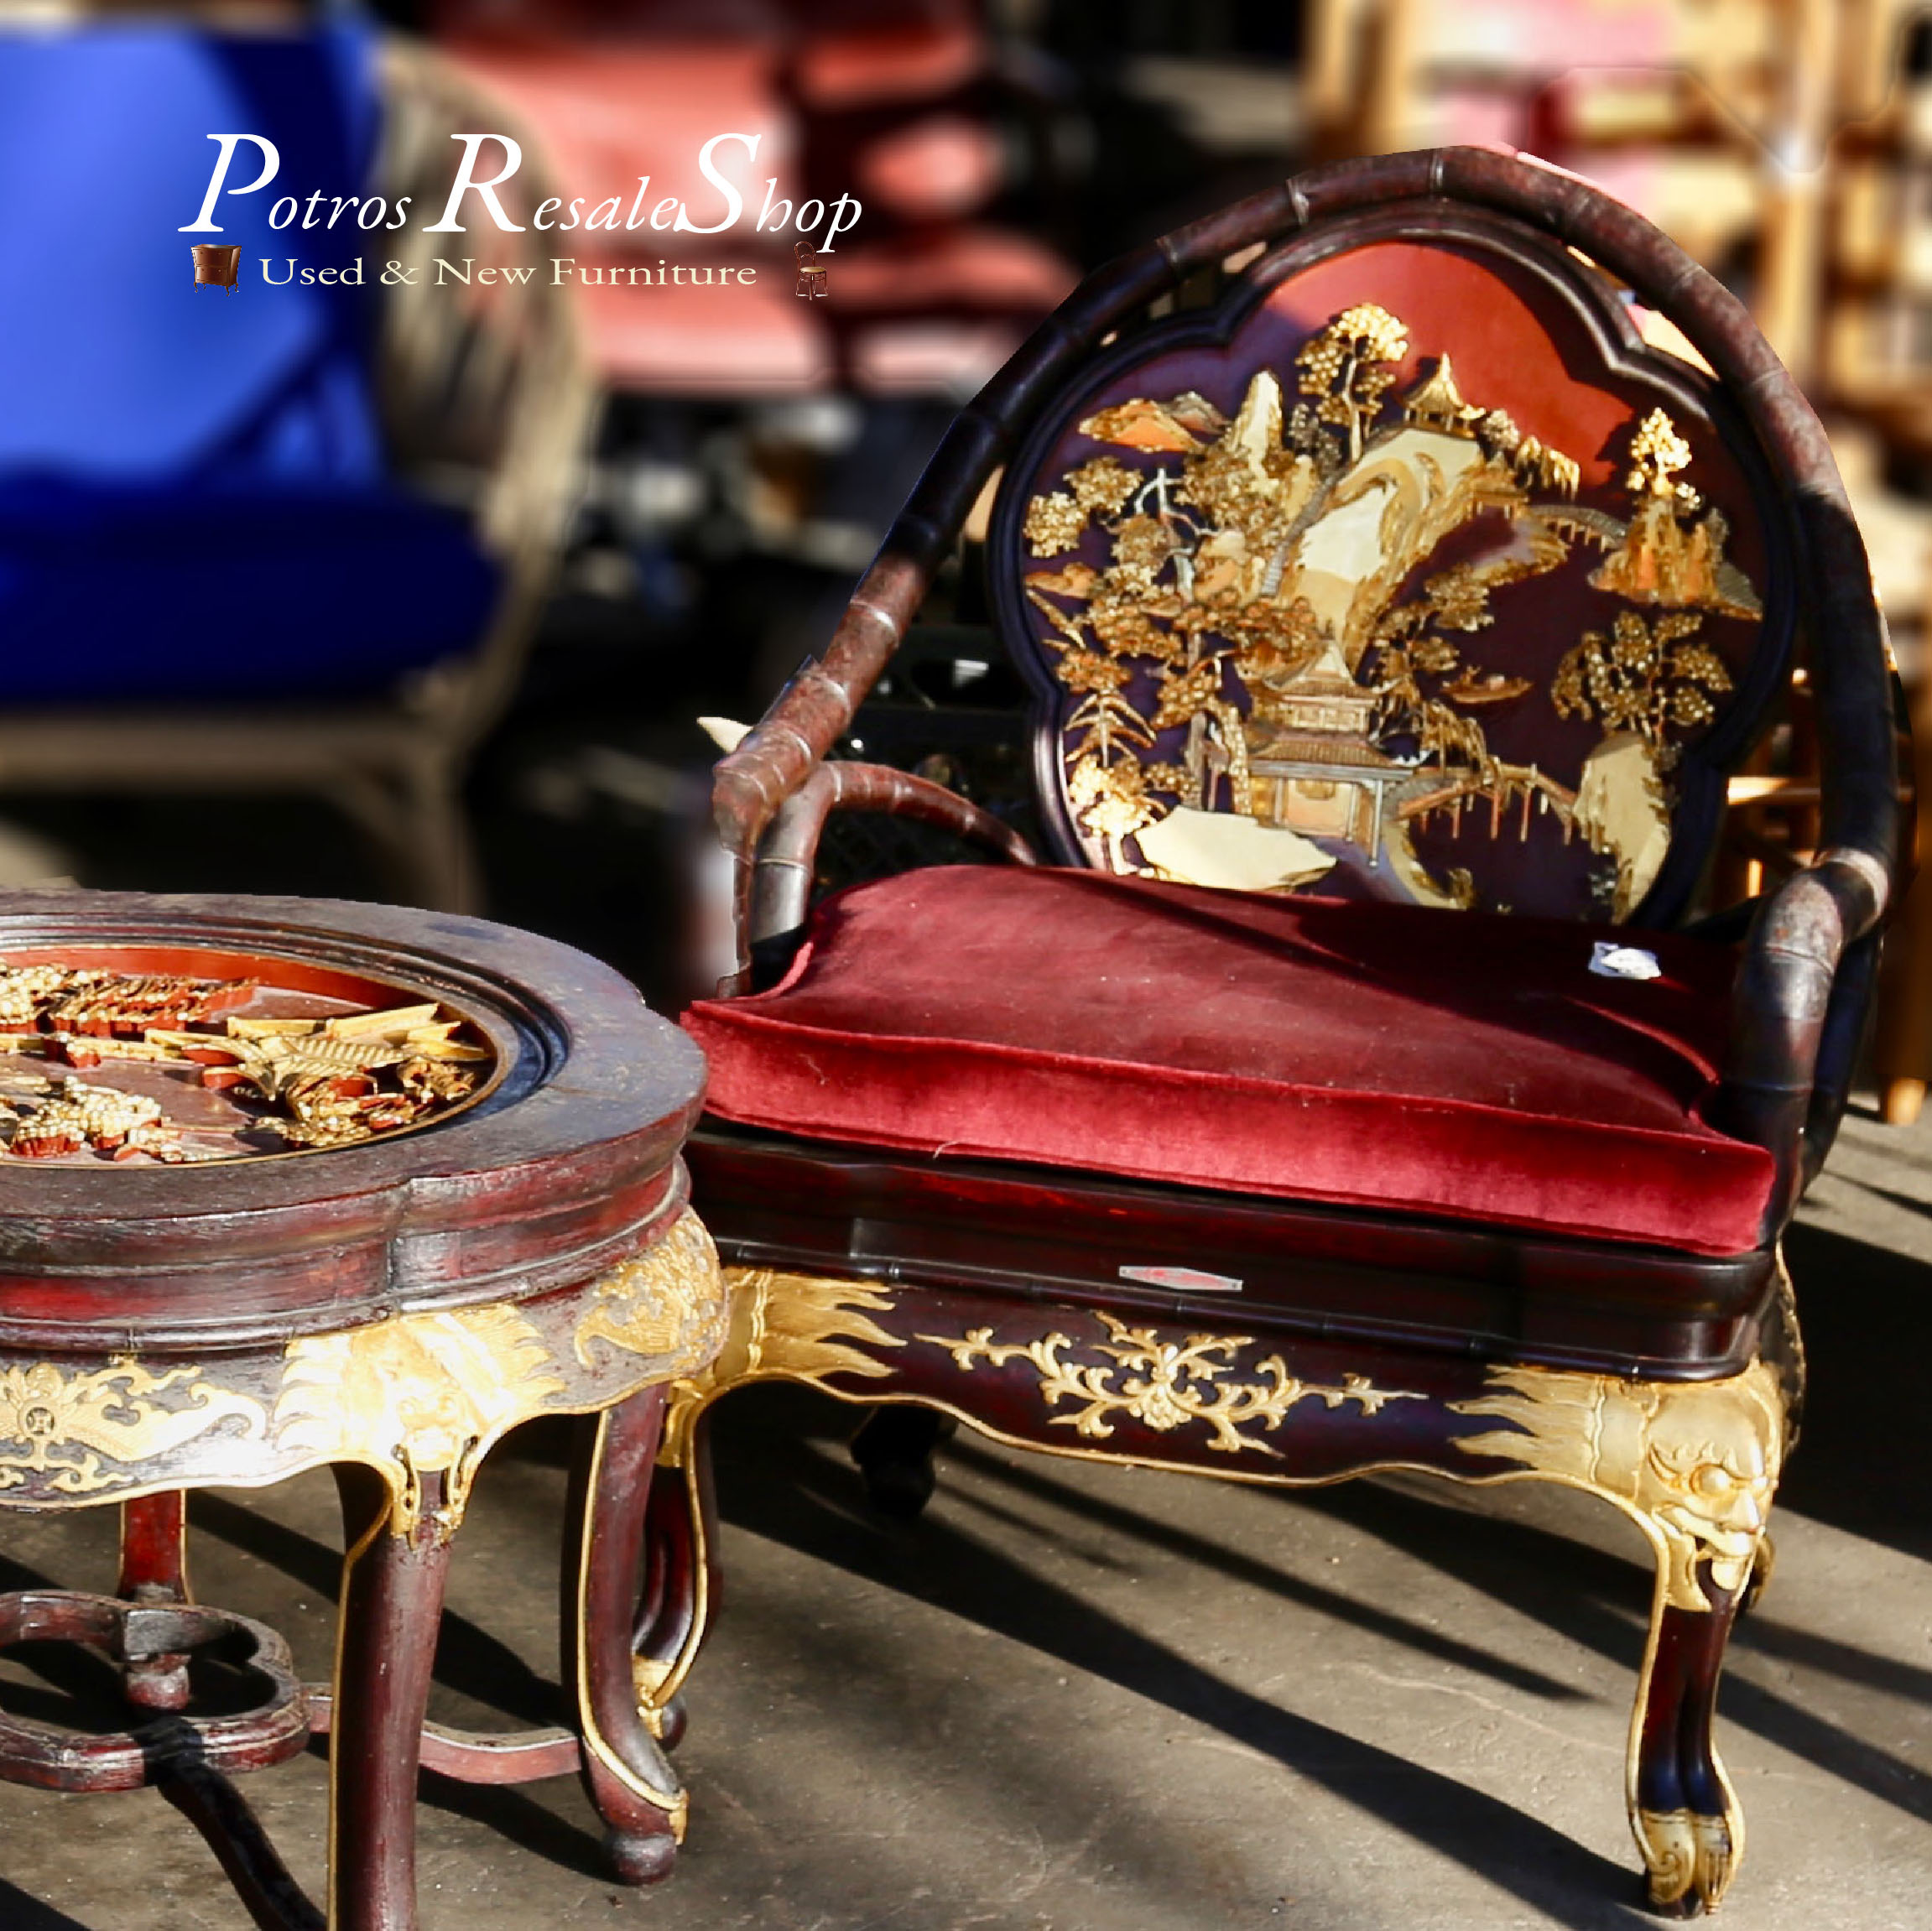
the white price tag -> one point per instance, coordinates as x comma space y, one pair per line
1623, 961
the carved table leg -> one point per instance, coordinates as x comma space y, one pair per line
155, 1569
894, 1449
392, 1605
682, 1581
154, 1548
634, 1789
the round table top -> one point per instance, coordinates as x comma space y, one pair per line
546, 1152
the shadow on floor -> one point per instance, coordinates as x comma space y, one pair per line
817, 1510
20, 1912
1861, 1465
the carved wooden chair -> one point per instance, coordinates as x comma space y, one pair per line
1355, 1089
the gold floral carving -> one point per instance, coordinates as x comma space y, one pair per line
668, 1302
1696, 1463
1257, 637
1164, 1384
419, 1394
67, 1426
66, 1115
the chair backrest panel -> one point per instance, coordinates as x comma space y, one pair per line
1408, 571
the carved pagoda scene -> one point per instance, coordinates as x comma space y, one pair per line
139, 1067
1304, 642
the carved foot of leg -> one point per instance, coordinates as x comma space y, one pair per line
639, 1858
894, 1449
625, 1772
1690, 1860
1688, 1822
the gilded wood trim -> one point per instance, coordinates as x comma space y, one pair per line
1165, 1383
412, 1396
1694, 1465
675, 1804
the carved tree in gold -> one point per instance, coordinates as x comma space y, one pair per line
1257, 586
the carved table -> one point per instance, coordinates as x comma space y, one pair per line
288, 1183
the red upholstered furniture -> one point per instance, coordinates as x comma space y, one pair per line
1372, 1055
1358, 1087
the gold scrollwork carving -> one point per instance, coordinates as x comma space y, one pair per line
1168, 1383
1686, 1852
430, 1394
668, 1301
421, 1394
65, 1425
1696, 1463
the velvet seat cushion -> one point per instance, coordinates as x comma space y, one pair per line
1381, 1055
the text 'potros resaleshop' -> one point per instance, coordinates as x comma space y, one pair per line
777, 214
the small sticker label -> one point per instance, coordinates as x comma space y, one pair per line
1623, 961
1183, 1280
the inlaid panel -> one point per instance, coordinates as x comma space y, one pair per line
140, 1055
1408, 573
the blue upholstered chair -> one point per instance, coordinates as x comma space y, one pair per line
292, 536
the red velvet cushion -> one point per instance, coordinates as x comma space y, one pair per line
1378, 1055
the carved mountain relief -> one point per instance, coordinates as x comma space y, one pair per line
1267, 629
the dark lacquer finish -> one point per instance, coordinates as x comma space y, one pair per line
562, 1169
155, 1569
1263, 1338
623, 1768
1036, 1232
389, 1308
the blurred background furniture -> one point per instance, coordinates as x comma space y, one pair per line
389, 1303
300, 539
1407, 588
747, 463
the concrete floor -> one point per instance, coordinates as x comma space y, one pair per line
1083, 1699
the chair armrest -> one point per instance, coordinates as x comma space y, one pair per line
782, 881
1797, 1013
